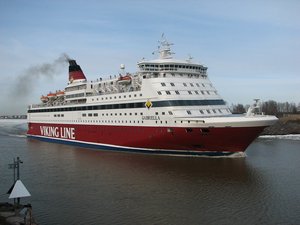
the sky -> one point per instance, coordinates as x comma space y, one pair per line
251, 48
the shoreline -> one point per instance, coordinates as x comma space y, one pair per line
284, 126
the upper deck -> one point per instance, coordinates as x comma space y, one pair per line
161, 79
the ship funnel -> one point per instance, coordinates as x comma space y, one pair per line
75, 72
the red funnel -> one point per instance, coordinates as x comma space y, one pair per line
75, 72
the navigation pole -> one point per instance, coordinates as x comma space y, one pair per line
16, 167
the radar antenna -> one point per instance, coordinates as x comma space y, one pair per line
254, 109
189, 60
164, 48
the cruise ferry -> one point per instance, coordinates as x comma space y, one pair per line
168, 106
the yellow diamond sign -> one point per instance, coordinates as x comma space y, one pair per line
148, 104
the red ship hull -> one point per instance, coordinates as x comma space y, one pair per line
163, 140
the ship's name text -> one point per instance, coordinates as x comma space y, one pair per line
59, 132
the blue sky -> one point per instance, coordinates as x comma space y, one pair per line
251, 48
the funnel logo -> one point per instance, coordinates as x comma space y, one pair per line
148, 104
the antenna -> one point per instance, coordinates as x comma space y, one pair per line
189, 58
163, 48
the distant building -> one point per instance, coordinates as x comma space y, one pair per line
13, 117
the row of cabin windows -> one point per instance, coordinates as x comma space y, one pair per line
112, 121
170, 130
190, 92
111, 114
115, 97
75, 95
75, 88
170, 67
120, 114
209, 111
173, 75
102, 121
185, 84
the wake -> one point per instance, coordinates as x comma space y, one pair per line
295, 137
11, 127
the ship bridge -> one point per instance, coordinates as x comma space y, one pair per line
166, 65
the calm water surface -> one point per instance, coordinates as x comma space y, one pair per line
71, 185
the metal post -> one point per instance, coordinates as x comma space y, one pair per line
18, 174
16, 166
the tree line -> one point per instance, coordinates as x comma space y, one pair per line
270, 107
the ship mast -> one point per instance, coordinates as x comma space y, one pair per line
164, 48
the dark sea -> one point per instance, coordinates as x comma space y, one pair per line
71, 185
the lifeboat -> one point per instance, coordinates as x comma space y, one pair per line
60, 93
51, 96
125, 79
44, 99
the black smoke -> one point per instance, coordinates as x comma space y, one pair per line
30, 77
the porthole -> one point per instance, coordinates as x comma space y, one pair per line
188, 130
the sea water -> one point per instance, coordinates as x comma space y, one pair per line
72, 185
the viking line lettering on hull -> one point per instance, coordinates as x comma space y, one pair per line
58, 132
168, 106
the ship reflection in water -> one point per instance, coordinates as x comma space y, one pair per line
71, 185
